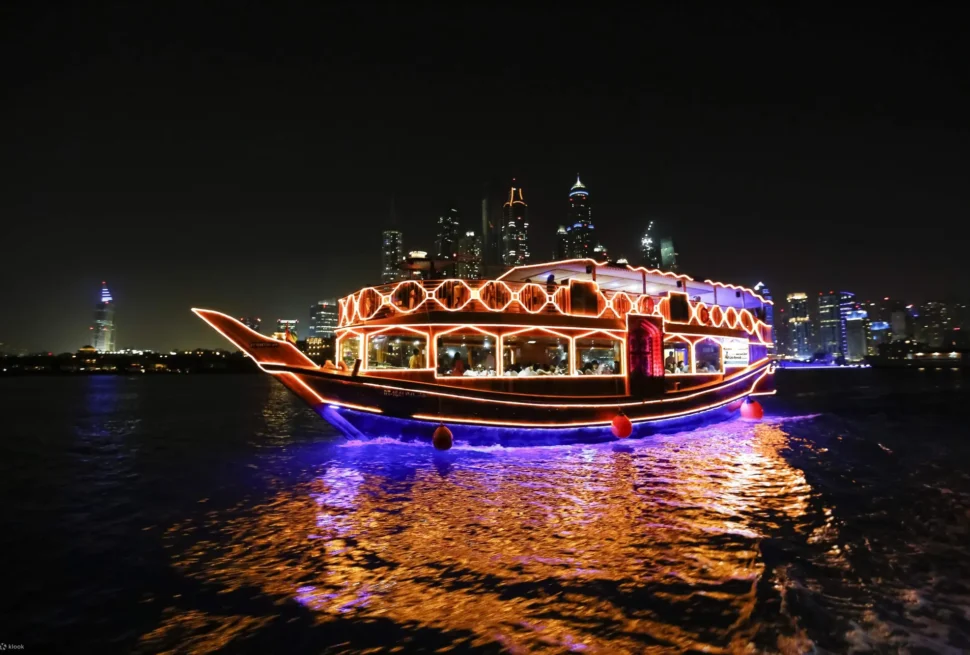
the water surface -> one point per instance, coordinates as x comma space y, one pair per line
202, 513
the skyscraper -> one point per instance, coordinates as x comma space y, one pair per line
649, 253
251, 322
392, 255
562, 250
856, 334
286, 330
323, 319
765, 293
103, 329
600, 253
580, 223
832, 310
446, 241
799, 326
493, 242
668, 255
470, 266
515, 228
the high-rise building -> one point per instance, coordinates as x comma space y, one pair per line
102, 336
323, 319
600, 253
286, 330
446, 241
392, 255
251, 322
765, 293
799, 326
580, 223
856, 335
649, 253
879, 333
515, 228
562, 250
470, 265
830, 328
668, 255
493, 243
935, 323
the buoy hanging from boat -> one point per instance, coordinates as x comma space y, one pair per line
751, 410
622, 427
442, 438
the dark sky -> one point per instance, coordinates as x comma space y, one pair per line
242, 158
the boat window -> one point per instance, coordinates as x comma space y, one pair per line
707, 357
537, 353
453, 294
350, 350
469, 355
676, 358
598, 356
392, 350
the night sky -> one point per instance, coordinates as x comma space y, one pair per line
243, 159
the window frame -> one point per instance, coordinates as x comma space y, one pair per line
602, 334
365, 362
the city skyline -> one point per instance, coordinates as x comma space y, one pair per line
801, 169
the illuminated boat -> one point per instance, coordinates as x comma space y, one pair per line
545, 353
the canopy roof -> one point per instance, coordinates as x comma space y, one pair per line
622, 277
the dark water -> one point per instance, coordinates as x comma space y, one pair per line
198, 514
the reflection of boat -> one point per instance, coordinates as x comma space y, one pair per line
546, 352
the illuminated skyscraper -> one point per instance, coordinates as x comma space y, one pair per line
515, 228
765, 293
392, 255
103, 329
668, 255
600, 253
286, 330
323, 319
580, 225
856, 334
470, 256
562, 244
832, 310
649, 253
799, 326
446, 242
251, 322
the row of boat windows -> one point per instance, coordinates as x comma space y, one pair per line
475, 355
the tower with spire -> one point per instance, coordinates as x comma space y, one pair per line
102, 331
515, 228
580, 225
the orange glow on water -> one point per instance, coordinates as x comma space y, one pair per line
655, 549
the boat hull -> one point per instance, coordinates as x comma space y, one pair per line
374, 406
368, 407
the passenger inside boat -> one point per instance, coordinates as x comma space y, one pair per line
474, 350
677, 358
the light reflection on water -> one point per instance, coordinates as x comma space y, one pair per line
596, 548
195, 513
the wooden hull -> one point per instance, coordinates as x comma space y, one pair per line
373, 406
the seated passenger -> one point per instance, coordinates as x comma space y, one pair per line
457, 366
490, 362
526, 372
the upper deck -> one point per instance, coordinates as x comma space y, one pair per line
580, 293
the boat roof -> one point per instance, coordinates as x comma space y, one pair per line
623, 277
